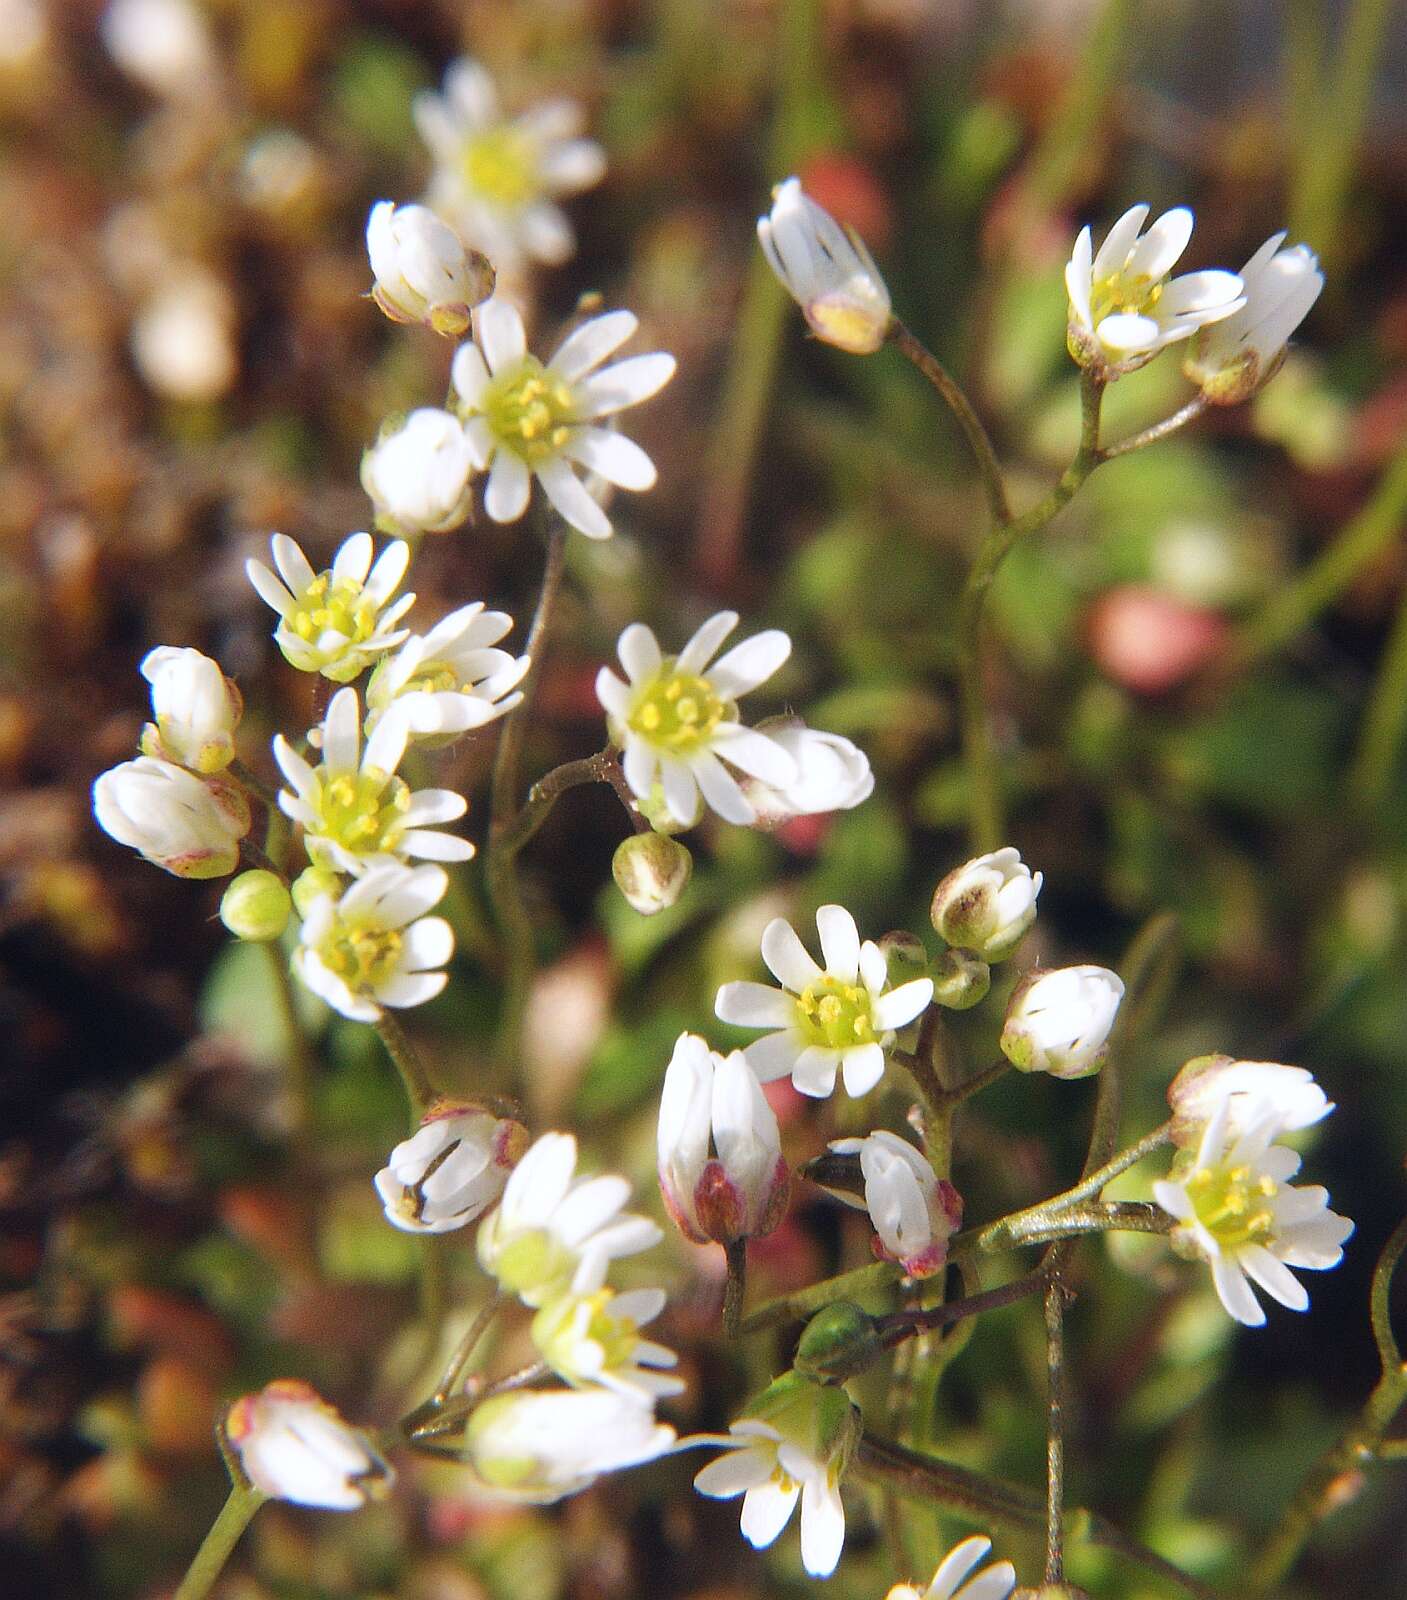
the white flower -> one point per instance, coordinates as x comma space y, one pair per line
197, 710
742, 1191
992, 1583
1231, 359
163, 44
183, 337
678, 716
356, 813
795, 1443
495, 179
451, 1169
539, 1445
373, 946
595, 1339
340, 621
525, 420
1123, 309
1059, 1021
553, 1233
987, 905
1237, 1211
450, 680
190, 826
826, 269
841, 1018
1246, 1088
294, 1446
831, 774
422, 269
914, 1212
419, 475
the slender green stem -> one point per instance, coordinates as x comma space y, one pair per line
844, 1286
420, 1092
254, 783
897, 1326
1160, 430
603, 767
505, 891
219, 1543
1384, 721
1360, 542
1109, 1216
298, 1058
1021, 1225
992, 1500
986, 820
978, 441
1359, 1444
1055, 1432
465, 1354
734, 1288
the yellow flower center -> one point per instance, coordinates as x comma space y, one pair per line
363, 957
835, 1015
1136, 296
677, 711
1232, 1204
530, 410
363, 812
435, 677
340, 607
532, 1261
502, 166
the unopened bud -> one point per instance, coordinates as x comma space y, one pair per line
838, 1342
960, 980
313, 883
256, 906
905, 955
652, 871
987, 904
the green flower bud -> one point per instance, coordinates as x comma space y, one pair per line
256, 906
837, 1342
960, 980
905, 955
652, 871
311, 884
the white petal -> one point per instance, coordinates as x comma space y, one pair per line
735, 1473
640, 764
591, 343
902, 1005
571, 165
613, 694
1235, 1293
572, 499
353, 558
704, 641
428, 845
754, 753
996, 1583
774, 1056
766, 1511
428, 943
639, 652
1274, 1277
506, 497
863, 1065
1157, 252
626, 383
822, 1527
501, 334
469, 373
1118, 242
613, 457
750, 663
294, 567
955, 1566
786, 957
411, 988
431, 806
720, 789
815, 1070
754, 1005
1126, 330
268, 588
681, 791
840, 942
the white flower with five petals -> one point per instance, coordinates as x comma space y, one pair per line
677, 719
451, 680
340, 621
1236, 1210
496, 178
837, 1019
373, 946
527, 420
354, 811
1123, 308
554, 1233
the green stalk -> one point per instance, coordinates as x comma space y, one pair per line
244, 1500
1380, 738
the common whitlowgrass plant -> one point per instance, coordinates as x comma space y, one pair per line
351, 865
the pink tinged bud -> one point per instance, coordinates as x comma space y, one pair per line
190, 826
914, 1212
451, 1170
423, 271
294, 1446
741, 1191
1247, 1089
196, 707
